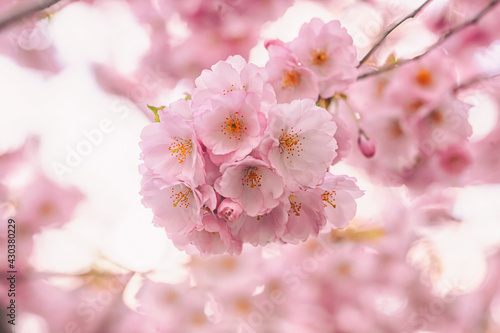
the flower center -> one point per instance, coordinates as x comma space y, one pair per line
328, 198
289, 143
260, 217
319, 57
197, 318
424, 77
225, 91
46, 209
181, 148
291, 79
414, 106
395, 130
294, 205
181, 199
233, 126
251, 177
436, 117
243, 305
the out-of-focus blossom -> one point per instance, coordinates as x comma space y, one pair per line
290, 79
327, 50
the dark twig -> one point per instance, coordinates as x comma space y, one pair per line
476, 79
23, 11
439, 42
384, 36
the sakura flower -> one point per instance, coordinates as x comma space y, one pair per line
231, 75
262, 229
444, 124
170, 148
45, 203
342, 137
301, 144
338, 196
177, 205
215, 237
327, 49
230, 126
305, 216
252, 184
423, 82
290, 79
182, 108
174, 307
212, 237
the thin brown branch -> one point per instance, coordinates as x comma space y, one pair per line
472, 81
438, 43
384, 36
23, 11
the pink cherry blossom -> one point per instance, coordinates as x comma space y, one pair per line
338, 199
177, 205
343, 137
423, 82
305, 216
182, 108
170, 148
212, 237
327, 49
230, 75
230, 126
300, 144
262, 229
174, 307
290, 79
252, 184
44, 203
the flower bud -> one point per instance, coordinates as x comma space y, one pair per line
229, 210
366, 144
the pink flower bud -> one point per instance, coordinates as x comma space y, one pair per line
229, 210
269, 42
366, 144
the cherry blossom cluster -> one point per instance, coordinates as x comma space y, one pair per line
421, 127
233, 165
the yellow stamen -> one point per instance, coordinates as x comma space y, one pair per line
319, 57
251, 177
181, 148
291, 79
233, 126
294, 205
181, 198
290, 142
328, 198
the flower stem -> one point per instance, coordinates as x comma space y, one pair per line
384, 36
22, 11
438, 43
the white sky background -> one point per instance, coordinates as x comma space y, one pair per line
112, 221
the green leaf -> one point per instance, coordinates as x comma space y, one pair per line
155, 111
